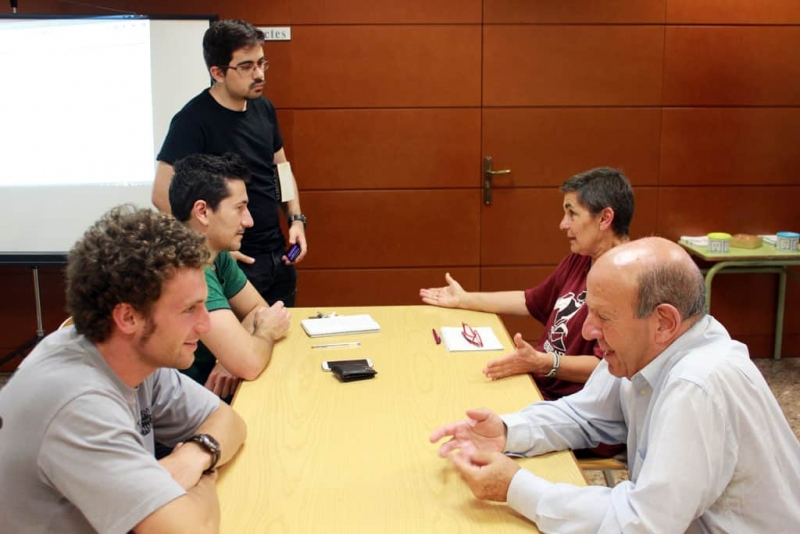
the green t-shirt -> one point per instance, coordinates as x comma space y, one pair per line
224, 279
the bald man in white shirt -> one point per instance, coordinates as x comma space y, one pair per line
708, 446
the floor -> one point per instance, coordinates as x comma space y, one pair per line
783, 377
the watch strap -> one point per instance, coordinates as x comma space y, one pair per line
211, 445
556, 364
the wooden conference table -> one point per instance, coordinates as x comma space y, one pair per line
323, 456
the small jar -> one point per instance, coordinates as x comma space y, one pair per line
719, 243
787, 241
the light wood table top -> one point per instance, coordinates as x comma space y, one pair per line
324, 456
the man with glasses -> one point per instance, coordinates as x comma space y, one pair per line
234, 116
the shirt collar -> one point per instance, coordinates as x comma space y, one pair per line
670, 356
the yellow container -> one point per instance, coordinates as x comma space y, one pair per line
719, 242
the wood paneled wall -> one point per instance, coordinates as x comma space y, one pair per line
387, 109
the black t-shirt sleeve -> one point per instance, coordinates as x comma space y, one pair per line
277, 139
183, 138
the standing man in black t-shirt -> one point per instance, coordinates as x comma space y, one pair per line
234, 116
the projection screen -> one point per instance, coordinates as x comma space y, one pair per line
83, 112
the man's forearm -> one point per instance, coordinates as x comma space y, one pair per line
253, 357
292, 207
228, 428
206, 501
257, 356
197, 511
243, 337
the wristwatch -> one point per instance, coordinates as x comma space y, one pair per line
209, 444
298, 217
556, 364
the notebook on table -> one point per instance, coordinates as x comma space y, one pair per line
455, 341
340, 324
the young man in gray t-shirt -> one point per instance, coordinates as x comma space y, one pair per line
79, 419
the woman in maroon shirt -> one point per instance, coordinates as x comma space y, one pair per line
598, 208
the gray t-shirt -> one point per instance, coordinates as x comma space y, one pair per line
77, 444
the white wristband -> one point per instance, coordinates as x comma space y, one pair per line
556, 363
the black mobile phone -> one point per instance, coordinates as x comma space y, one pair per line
326, 365
293, 252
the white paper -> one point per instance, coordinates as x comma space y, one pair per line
340, 324
455, 341
287, 181
697, 241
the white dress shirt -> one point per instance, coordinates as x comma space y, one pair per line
709, 449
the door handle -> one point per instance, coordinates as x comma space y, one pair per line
488, 175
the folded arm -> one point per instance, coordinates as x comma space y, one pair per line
198, 509
188, 460
228, 428
92, 447
242, 337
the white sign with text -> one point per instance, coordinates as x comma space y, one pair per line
278, 33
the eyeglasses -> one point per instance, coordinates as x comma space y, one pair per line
471, 335
248, 67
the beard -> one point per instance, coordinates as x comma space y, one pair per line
251, 95
150, 328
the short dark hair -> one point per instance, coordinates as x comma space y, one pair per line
126, 257
224, 37
602, 188
202, 177
671, 283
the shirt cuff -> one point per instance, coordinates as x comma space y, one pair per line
518, 434
525, 491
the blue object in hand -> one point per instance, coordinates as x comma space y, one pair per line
293, 252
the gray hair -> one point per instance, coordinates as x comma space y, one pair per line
672, 283
602, 188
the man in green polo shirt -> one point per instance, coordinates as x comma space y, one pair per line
208, 194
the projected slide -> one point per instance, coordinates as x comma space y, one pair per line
80, 108
85, 106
